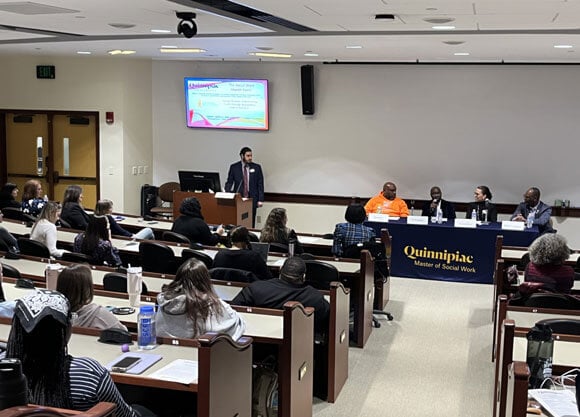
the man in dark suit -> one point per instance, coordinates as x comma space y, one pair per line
430, 208
532, 204
245, 177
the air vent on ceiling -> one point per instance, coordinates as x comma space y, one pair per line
439, 20
31, 8
453, 42
385, 16
249, 13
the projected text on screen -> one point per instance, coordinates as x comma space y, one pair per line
226, 103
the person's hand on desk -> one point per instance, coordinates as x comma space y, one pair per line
519, 218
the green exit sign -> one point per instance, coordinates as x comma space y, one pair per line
45, 72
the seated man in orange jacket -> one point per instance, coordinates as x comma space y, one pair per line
387, 202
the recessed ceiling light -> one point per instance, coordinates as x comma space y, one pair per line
122, 25
439, 20
121, 52
270, 54
442, 27
160, 31
353, 47
168, 46
84, 52
563, 46
310, 54
461, 53
175, 50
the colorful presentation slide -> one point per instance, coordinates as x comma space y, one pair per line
226, 103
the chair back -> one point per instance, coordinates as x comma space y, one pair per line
13, 213
64, 223
204, 257
10, 271
157, 257
563, 326
166, 191
33, 248
232, 274
551, 300
377, 251
320, 274
175, 237
253, 237
524, 261
117, 282
79, 258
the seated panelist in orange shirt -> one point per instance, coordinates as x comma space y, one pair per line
387, 202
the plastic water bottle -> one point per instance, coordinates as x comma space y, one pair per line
473, 215
147, 337
439, 215
379, 209
530, 220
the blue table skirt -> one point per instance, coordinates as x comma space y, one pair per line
444, 252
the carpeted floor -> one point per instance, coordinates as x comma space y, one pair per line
432, 360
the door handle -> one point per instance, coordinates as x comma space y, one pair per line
55, 177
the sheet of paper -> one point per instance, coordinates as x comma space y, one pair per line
180, 370
559, 403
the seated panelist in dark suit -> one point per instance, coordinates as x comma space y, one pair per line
430, 208
532, 204
482, 204
245, 177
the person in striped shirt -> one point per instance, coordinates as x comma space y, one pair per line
41, 328
353, 231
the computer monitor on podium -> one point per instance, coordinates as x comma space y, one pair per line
199, 181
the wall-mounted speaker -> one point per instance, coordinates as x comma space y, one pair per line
307, 83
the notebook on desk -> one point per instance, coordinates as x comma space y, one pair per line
559, 403
262, 249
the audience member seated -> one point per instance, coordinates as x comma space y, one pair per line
32, 201
485, 210
8, 195
8, 241
76, 284
547, 256
430, 208
105, 208
192, 225
72, 211
96, 242
532, 204
275, 230
353, 231
44, 230
241, 256
274, 293
387, 202
40, 332
190, 307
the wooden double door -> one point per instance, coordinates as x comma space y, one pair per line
56, 148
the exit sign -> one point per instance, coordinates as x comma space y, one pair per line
45, 72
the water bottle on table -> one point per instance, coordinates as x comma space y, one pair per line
439, 215
147, 336
530, 220
473, 215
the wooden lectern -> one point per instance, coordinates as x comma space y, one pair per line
236, 211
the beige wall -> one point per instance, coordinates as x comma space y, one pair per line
92, 84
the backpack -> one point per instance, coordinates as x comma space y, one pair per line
265, 389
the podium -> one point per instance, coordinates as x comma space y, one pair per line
218, 210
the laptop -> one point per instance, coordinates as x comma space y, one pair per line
262, 249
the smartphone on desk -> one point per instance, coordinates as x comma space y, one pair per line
125, 364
